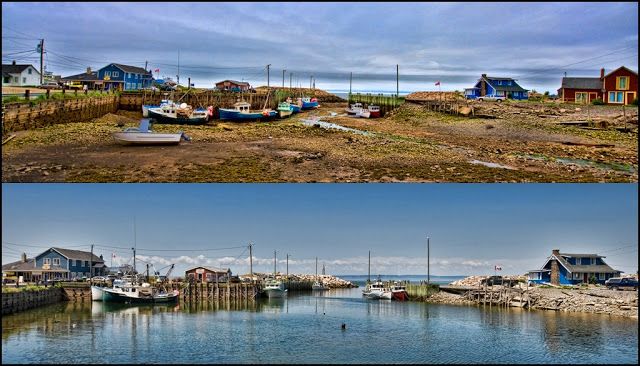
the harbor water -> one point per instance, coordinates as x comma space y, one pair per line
307, 328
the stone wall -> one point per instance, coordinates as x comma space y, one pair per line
14, 302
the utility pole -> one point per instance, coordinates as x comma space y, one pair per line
369, 270
146, 63
283, 70
290, 77
397, 81
251, 260
91, 265
41, 60
178, 76
350, 81
147, 272
134, 260
310, 80
268, 75
287, 267
428, 263
189, 86
274, 263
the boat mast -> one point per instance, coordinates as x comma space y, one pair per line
369, 270
274, 263
316, 269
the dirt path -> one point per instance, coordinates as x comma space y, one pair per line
411, 145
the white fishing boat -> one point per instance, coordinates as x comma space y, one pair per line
354, 109
363, 113
146, 107
142, 135
274, 288
180, 114
96, 293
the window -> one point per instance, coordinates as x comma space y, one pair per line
107, 73
582, 98
116, 74
29, 71
576, 276
86, 263
56, 261
78, 263
6, 80
24, 80
601, 276
126, 75
47, 261
15, 79
616, 97
622, 83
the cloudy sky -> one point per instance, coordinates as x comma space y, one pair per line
534, 43
472, 227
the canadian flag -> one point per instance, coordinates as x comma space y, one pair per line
157, 70
498, 268
438, 82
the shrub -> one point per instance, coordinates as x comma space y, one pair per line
593, 280
635, 101
597, 102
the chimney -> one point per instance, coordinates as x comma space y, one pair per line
602, 73
101, 256
89, 70
13, 63
555, 252
23, 257
484, 75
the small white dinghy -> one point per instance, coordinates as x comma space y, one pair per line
142, 135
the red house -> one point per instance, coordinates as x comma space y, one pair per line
618, 87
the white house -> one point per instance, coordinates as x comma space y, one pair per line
19, 75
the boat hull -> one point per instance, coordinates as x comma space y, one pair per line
375, 114
161, 118
147, 138
234, 115
285, 114
295, 108
96, 293
309, 105
399, 296
274, 293
145, 109
122, 298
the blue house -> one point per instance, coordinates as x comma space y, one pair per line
70, 264
499, 86
124, 77
572, 269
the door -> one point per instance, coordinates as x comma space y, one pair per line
586, 278
630, 97
592, 97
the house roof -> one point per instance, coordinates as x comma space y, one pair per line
584, 268
15, 69
78, 254
582, 83
510, 88
234, 82
19, 265
211, 269
82, 77
582, 255
621, 67
132, 69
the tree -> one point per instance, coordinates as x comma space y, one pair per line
546, 93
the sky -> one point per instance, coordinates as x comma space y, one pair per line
471, 227
454, 43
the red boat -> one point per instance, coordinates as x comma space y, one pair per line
399, 292
374, 111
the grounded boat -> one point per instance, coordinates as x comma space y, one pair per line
142, 135
374, 111
295, 107
284, 110
354, 109
399, 292
363, 113
309, 103
241, 112
274, 288
139, 294
146, 107
180, 114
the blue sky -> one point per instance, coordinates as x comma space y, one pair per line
472, 226
534, 43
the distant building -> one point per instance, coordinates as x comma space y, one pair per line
88, 78
233, 86
617, 87
572, 269
499, 86
55, 263
19, 75
207, 274
124, 77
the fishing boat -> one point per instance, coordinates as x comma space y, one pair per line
354, 109
399, 292
146, 107
284, 109
374, 111
309, 103
318, 285
139, 294
96, 293
180, 114
363, 113
241, 112
142, 135
374, 290
295, 107
274, 288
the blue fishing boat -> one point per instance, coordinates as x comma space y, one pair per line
295, 107
309, 103
181, 114
241, 112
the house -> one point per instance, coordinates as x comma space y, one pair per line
617, 87
572, 269
208, 274
88, 78
19, 75
124, 77
500, 86
25, 270
232, 85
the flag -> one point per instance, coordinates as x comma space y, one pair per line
113, 255
497, 268
437, 82
157, 70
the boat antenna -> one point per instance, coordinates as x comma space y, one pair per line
274, 263
369, 270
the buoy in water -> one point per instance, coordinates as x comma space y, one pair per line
344, 326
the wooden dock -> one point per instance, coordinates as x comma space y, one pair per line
386, 103
453, 107
500, 296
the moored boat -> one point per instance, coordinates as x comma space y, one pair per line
309, 103
374, 111
284, 109
399, 292
146, 107
295, 107
139, 294
96, 293
374, 290
274, 288
241, 112
317, 284
354, 109
180, 114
